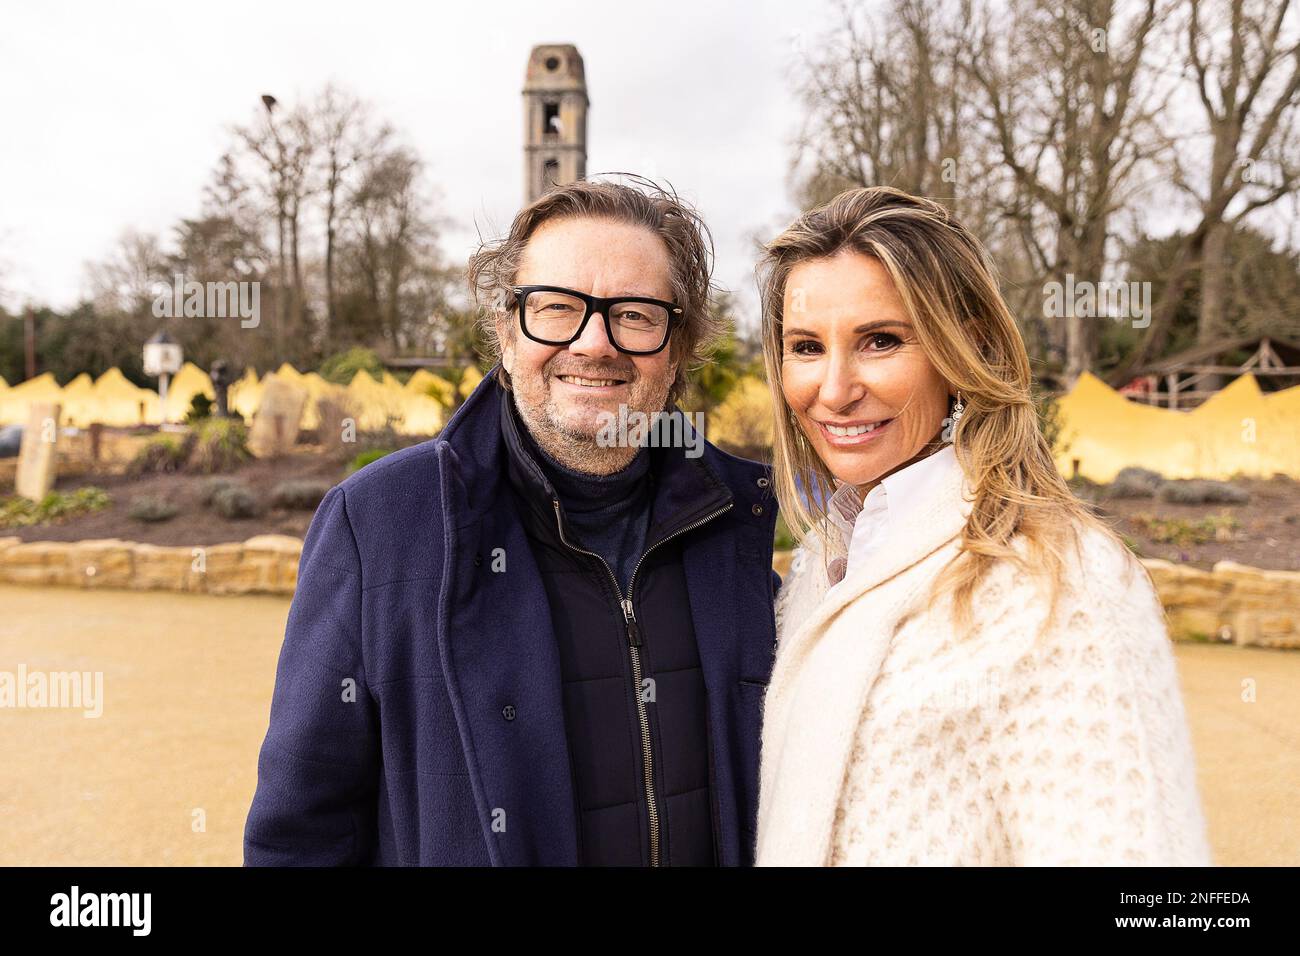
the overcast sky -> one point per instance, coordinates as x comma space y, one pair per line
114, 114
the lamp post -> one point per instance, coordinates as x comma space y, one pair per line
162, 358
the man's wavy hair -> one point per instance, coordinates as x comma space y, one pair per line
638, 201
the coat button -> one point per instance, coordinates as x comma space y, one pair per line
478, 560
757, 509
508, 711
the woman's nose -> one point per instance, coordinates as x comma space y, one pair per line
843, 385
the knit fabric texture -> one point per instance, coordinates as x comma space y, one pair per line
891, 739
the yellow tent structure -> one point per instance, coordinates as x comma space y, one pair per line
1238, 431
113, 400
14, 401
78, 401
184, 385
245, 394
119, 402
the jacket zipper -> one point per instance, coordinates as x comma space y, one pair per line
634, 644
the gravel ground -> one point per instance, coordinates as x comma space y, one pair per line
187, 687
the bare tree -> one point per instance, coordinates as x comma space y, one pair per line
1250, 92
390, 245
887, 105
1069, 104
282, 152
347, 141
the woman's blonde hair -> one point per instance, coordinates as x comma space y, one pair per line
948, 288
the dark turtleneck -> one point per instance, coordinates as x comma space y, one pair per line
609, 514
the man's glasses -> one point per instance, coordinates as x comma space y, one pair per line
553, 315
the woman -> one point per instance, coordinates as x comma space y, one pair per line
971, 668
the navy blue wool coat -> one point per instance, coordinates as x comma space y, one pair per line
417, 717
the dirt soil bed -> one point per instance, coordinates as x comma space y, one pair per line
1264, 533
194, 524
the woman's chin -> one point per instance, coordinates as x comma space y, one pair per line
854, 468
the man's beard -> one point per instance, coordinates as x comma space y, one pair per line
574, 444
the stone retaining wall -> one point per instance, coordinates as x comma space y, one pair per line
266, 564
1232, 602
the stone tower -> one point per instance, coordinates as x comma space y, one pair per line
555, 118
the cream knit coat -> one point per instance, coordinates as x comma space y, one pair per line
888, 739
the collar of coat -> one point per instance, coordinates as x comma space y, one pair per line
921, 528
476, 438
684, 489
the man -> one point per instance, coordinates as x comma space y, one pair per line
523, 643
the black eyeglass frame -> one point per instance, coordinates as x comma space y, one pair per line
597, 304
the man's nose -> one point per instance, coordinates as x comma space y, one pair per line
594, 341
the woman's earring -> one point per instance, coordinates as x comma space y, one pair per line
950, 423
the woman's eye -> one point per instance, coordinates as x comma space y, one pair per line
883, 341
804, 347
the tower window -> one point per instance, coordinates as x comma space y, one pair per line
552, 63
550, 173
550, 118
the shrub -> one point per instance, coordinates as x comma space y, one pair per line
1135, 483
303, 494
341, 367
213, 485
220, 444
1200, 492
1183, 533
234, 501
200, 408
19, 512
160, 454
152, 508
366, 457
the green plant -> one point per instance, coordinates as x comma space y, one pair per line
160, 454
234, 501
19, 512
341, 367
220, 444
1185, 533
152, 508
303, 494
213, 485
366, 457
200, 408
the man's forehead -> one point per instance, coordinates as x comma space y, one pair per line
600, 257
